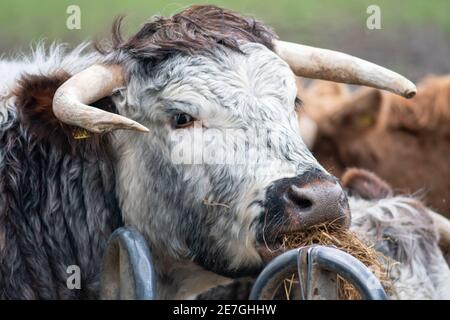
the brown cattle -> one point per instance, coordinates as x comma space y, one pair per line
405, 142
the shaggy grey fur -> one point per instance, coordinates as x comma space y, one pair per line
56, 209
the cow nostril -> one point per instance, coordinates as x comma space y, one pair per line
316, 204
300, 200
303, 203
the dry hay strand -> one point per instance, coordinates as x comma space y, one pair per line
347, 241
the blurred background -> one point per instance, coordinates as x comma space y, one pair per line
414, 39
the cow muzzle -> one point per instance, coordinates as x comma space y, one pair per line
301, 203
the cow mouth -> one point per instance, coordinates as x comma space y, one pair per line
273, 246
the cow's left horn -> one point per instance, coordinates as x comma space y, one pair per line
70, 102
336, 66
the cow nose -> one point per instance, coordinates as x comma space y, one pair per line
321, 202
305, 201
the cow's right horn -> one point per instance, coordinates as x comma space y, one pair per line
336, 66
70, 102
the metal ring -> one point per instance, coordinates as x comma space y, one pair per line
326, 258
127, 271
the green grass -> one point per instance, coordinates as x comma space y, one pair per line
22, 21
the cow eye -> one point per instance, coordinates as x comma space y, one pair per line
298, 104
182, 120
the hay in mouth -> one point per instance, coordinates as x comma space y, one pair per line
347, 241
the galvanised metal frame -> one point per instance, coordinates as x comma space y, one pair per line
128, 272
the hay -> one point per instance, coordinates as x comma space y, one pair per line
347, 241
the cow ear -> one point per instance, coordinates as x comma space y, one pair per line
365, 184
34, 96
34, 99
356, 114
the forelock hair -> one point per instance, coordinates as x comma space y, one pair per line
199, 29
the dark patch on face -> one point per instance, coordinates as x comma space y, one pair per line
208, 256
203, 246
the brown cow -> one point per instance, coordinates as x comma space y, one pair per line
406, 142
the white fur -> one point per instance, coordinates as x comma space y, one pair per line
229, 92
403, 227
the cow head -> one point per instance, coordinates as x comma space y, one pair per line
215, 170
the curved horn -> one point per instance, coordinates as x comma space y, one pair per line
70, 102
335, 66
